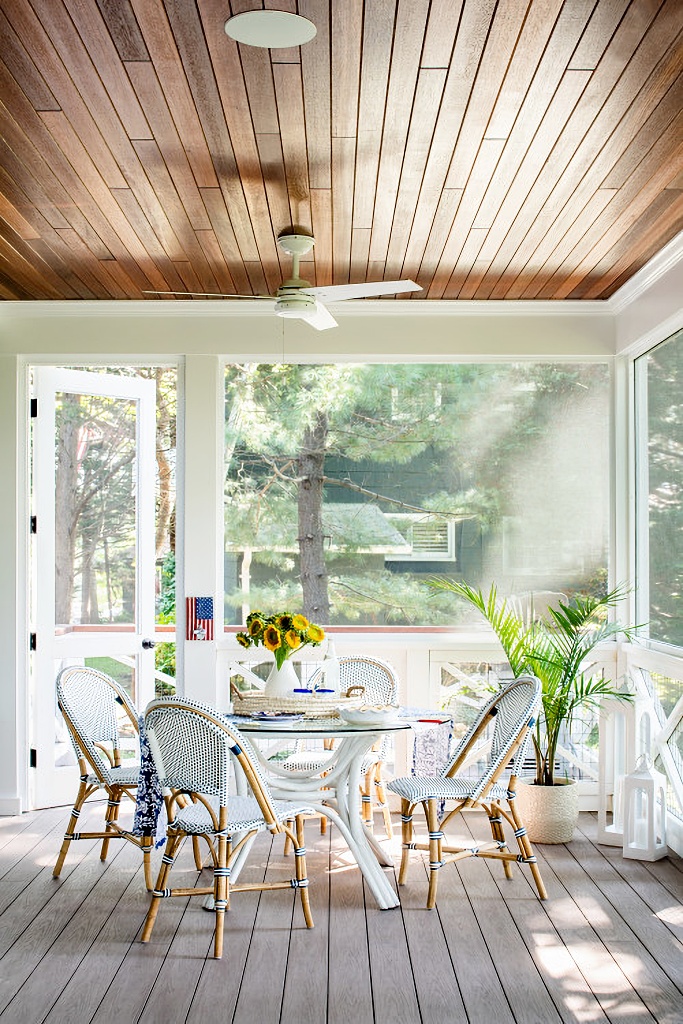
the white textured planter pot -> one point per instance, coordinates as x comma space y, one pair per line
550, 813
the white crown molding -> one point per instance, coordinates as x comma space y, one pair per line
455, 308
660, 264
663, 330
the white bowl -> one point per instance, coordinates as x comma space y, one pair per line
370, 714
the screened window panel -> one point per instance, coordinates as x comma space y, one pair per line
347, 486
659, 430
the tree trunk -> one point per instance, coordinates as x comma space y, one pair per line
311, 465
165, 499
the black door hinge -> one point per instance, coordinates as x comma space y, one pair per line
33, 758
33, 642
34, 408
34, 524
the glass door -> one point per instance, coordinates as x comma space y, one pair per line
93, 559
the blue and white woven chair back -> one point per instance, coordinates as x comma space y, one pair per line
190, 751
378, 679
92, 701
376, 676
192, 746
516, 706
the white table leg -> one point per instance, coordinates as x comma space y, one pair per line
342, 806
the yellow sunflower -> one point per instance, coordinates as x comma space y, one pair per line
293, 639
300, 622
272, 638
315, 633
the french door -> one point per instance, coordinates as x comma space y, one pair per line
92, 560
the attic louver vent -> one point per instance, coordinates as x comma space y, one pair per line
430, 538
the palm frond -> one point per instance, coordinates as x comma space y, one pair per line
557, 651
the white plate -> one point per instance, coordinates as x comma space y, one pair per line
369, 716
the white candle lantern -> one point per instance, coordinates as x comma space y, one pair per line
645, 812
617, 730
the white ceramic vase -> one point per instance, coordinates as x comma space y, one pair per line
550, 813
282, 681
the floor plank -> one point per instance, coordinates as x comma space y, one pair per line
350, 983
436, 984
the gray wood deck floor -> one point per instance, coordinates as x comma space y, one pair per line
606, 946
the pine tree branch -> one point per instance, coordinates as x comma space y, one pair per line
351, 486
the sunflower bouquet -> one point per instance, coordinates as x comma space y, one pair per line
282, 633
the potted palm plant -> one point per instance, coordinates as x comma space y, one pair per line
557, 650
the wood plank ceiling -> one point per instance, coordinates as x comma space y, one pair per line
488, 150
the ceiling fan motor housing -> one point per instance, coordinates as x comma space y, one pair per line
294, 302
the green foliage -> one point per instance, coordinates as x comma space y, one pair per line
167, 595
123, 674
162, 687
556, 650
165, 659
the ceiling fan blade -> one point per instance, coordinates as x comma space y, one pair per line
337, 292
320, 318
211, 295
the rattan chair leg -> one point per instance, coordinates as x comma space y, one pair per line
147, 845
536, 874
83, 791
526, 850
301, 875
498, 834
382, 801
288, 838
435, 857
406, 839
366, 799
111, 816
220, 893
159, 890
197, 853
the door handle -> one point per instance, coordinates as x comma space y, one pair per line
148, 645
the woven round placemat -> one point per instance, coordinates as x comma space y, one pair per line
254, 701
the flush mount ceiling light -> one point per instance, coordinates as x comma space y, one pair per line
270, 29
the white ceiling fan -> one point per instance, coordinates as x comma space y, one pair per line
295, 298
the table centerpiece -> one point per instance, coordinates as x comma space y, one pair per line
282, 633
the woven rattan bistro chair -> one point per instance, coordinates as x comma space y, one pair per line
377, 682
193, 748
95, 709
510, 715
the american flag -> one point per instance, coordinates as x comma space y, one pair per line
199, 618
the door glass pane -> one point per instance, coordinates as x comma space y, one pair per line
124, 674
95, 510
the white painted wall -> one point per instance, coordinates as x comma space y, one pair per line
200, 552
